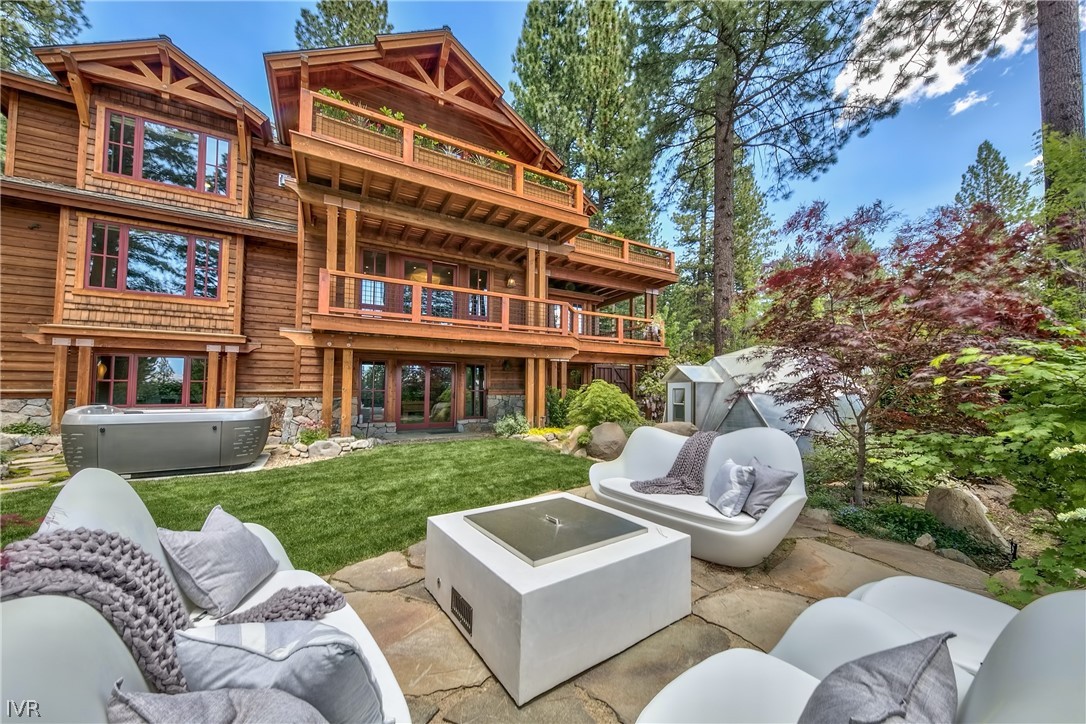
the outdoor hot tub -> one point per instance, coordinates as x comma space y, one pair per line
139, 442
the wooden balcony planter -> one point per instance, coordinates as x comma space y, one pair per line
351, 133
546, 193
464, 169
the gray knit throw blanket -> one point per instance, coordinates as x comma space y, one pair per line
114, 576
132, 591
687, 474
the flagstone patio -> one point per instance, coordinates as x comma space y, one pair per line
445, 681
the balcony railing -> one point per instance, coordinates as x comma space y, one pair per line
366, 296
416, 146
598, 243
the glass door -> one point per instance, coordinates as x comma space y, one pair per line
435, 302
426, 395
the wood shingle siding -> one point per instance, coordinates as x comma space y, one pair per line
269, 200
268, 305
47, 142
27, 272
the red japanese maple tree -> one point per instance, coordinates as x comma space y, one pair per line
862, 325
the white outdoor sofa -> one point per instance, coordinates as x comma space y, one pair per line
61, 653
741, 541
1034, 671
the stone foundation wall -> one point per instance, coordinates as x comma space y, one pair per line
290, 413
26, 409
498, 406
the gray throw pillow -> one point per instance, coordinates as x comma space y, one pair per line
307, 659
218, 565
911, 683
769, 484
729, 488
225, 706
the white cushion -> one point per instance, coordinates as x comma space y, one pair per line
691, 507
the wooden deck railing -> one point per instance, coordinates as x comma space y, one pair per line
598, 243
421, 147
366, 296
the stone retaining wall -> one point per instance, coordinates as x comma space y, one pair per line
498, 406
26, 409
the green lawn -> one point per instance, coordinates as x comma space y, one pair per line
332, 513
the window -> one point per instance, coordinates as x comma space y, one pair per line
477, 303
136, 380
475, 391
157, 262
372, 293
678, 394
371, 392
163, 153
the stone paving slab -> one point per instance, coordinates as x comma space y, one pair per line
490, 704
759, 615
918, 562
384, 573
817, 570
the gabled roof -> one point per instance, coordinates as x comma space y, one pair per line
429, 62
151, 65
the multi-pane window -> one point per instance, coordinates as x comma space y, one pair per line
475, 391
371, 392
134, 380
131, 259
372, 293
165, 153
477, 303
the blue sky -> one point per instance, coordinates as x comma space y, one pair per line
913, 161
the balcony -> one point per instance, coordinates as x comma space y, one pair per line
609, 246
368, 304
384, 158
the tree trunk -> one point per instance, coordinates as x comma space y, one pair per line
723, 222
1059, 60
861, 465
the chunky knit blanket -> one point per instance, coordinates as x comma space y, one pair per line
113, 575
687, 474
133, 592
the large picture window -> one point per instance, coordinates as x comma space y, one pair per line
371, 392
134, 380
164, 153
475, 389
131, 259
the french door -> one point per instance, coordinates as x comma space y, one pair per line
426, 395
435, 302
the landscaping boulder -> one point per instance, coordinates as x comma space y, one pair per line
679, 428
534, 438
363, 444
960, 509
572, 442
819, 515
608, 439
952, 554
324, 449
300, 447
1008, 578
926, 542
580, 453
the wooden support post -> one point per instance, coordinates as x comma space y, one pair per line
350, 245
331, 237
230, 376
563, 376
633, 381
541, 391
211, 384
529, 281
553, 381
328, 389
60, 385
541, 270
589, 369
83, 377
346, 396
529, 391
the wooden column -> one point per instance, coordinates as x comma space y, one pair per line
392, 390
541, 271
230, 376
588, 373
331, 237
460, 392
328, 388
84, 378
211, 384
563, 376
633, 381
60, 383
349, 264
541, 391
346, 397
553, 381
529, 283
529, 390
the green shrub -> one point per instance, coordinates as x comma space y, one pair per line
515, 424
602, 402
309, 435
558, 406
833, 459
830, 499
33, 429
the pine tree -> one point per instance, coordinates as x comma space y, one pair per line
748, 76
25, 24
575, 87
989, 181
342, 22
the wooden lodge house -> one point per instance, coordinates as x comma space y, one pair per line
400, 250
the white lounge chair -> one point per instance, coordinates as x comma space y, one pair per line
741, 541
63, 654
1034, 671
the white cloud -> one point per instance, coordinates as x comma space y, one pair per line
967, 101
1035, 161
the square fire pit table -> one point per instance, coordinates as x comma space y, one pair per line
543, 589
